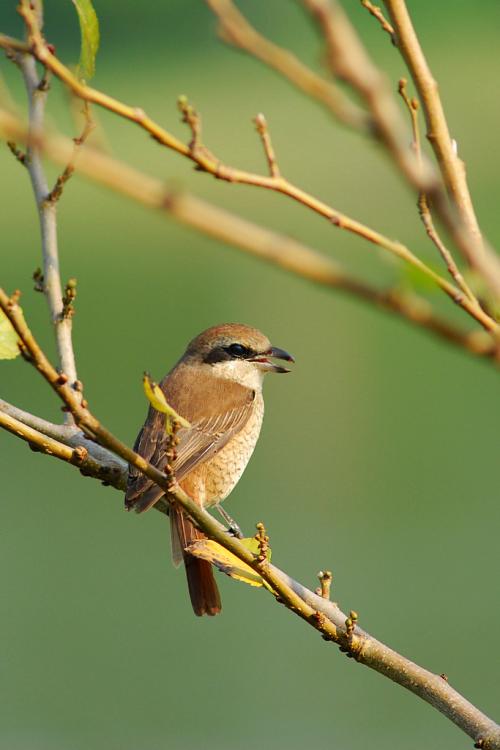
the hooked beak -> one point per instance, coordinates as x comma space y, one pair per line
264, 363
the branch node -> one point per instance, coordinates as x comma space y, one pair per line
350, 624
38, 278
14, 298
263, 131
193, 121
80, 454
68, 309
325, 578
21, 156
263, 541
376, 12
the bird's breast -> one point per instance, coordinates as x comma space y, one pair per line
224, 470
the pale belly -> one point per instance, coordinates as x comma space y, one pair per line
226, 467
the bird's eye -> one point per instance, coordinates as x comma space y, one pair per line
238, 350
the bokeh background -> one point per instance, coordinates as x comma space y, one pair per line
379, 454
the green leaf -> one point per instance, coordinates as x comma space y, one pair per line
157, 399
9, 348
89, 30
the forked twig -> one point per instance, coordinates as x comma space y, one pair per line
423, 204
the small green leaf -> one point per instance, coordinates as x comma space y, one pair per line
9, 348
89, 30
251, 543
157, 399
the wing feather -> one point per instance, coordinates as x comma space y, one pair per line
208, 433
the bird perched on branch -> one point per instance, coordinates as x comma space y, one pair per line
217, 387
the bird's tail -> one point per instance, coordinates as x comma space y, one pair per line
203, 590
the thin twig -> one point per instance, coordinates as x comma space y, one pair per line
376, 12
37, 94
69, 170
17, 153
466, 233
263, 131
423, 204
263, 243
324, 615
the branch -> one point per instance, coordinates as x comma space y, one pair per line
265, 244
37, 93
376, 12
79, 456
324, 615
90, 458
478, 254
423, 204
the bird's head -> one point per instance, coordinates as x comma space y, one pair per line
236, 352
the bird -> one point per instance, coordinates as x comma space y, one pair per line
217, 387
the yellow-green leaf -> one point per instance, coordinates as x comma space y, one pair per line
9, 348
157, 399
206, 549
251, 543
89, 31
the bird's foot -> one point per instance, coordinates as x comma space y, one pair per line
235, 530
232, 526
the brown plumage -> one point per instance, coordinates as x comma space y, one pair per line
217, 387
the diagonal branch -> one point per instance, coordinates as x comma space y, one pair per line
324, 615
79, 456
478, 254
265, 244
424, 208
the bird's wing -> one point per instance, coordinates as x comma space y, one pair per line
206, 436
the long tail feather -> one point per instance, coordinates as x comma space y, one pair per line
203, 590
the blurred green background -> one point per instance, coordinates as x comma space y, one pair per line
378, 457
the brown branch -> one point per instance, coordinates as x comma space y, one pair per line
376, 12
69, 170
207, 162
101, 464
423, 204
79, 456
265, 244
324, 615
263, 131
466, 233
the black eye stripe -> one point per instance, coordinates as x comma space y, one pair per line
226, 353
238, 351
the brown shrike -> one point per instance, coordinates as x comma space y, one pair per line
217, 387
